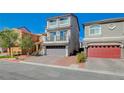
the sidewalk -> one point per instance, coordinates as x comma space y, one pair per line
49, 60
14, 59
9, 60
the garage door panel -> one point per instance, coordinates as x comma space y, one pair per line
104, 52
56, 52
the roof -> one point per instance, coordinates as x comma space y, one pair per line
24, 29
111, 20
44, 34
66, 15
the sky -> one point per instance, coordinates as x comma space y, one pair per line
36, 22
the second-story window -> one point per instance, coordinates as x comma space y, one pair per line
52, 22
63, 21
95, 30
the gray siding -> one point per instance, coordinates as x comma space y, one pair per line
74, 34
106, 32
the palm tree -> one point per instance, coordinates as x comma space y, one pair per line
8, 38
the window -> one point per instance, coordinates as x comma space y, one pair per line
52, 36
64, 20
95, 30
52, 22
63, 35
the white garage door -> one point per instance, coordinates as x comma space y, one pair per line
56, 50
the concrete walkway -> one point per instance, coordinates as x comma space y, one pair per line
106, 65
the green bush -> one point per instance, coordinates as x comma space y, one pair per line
7, 57
81, 57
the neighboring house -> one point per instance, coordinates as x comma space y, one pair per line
62, 35
22, 31
105, 38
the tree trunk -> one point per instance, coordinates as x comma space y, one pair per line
10, 52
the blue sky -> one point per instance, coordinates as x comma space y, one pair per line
36, 22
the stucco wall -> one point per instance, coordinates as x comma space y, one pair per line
74, 39
35, 38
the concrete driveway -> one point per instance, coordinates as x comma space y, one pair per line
43, 59
55, 60
106, 65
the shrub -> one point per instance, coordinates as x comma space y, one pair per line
81, 57
7, 56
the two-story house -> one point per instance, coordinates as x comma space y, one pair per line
62, 35
105, 38
22, 32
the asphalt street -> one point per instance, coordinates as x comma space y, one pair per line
22, 71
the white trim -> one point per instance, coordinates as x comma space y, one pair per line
105, 44
55, 42
105, 38
111, 26
67, 51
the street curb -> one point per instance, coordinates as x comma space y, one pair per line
12, 61
72, 68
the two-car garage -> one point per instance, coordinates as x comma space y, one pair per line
56, 50
104, 51
97, 51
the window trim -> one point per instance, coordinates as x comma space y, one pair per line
98, 34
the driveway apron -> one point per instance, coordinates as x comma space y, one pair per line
106, 65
